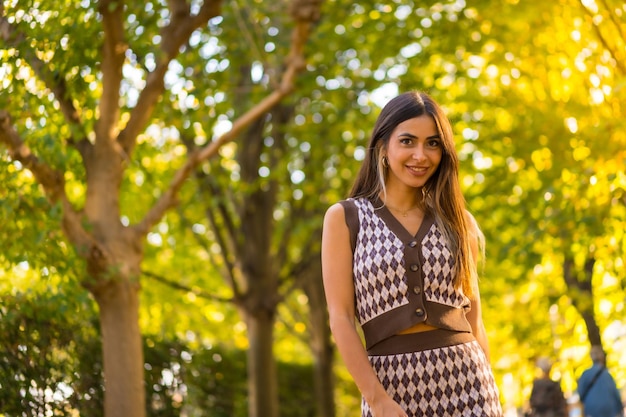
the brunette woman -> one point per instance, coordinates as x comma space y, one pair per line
399, 257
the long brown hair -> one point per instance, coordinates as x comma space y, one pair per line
442, 192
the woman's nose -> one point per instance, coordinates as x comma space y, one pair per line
418, 153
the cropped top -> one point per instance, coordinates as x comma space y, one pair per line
401, 280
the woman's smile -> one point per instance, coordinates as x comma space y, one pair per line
414, 152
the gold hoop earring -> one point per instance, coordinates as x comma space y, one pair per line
385, 162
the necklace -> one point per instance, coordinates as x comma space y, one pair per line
403, 213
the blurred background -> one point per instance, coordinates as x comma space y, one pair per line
165, 167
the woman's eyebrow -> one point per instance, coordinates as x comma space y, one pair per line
412, 136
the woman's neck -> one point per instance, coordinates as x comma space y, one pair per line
402, 201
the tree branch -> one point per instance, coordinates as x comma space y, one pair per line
618, 62
295, 64
227, 240
50, 179
113, 55
299, 270
580, 291
618, 25
227, 270
54, 81
179, 286
174, 35
231, 270
244, 28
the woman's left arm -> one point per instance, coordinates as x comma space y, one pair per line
474, 316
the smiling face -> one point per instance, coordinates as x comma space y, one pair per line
414, 152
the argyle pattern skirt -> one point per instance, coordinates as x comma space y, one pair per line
448, 381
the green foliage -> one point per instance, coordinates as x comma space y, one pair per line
50, 361
46, 354
536, 94
33, 223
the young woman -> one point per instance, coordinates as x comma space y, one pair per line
399, 256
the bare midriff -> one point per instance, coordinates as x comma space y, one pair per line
418, 328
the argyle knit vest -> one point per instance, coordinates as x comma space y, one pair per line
400, 279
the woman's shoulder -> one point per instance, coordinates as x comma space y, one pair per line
346, 213
342, 208
352, 203
347, 207
334, 212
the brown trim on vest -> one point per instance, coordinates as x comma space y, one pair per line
352, 220
439, 315
418, 342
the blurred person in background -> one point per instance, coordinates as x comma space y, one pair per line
546, 397
597, 390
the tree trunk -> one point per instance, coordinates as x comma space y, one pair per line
580, 290
321, 345
122, 349
262, 379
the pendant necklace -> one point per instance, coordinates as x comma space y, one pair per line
403, 213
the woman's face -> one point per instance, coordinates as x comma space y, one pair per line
414, 152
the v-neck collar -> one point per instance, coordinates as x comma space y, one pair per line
381, 210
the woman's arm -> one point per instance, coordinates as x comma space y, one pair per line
339, 289
474, 316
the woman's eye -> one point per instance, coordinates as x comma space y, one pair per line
433, 143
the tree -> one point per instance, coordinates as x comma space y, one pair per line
535, 93
92, 105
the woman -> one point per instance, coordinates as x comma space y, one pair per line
400, 256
